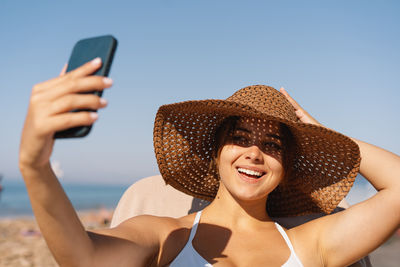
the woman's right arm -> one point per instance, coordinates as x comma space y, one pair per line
48, 112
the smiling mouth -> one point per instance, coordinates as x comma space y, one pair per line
250, 173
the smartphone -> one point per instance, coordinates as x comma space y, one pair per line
84, 51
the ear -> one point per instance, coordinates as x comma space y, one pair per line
217, 158
214, 163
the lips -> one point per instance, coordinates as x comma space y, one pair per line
250, 175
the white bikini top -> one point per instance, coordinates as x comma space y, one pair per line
190, 257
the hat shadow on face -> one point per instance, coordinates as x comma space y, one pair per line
268, 136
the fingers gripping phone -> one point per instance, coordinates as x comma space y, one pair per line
84, 51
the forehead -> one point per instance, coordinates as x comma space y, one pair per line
259, 126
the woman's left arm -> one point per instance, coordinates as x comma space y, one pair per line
349, 235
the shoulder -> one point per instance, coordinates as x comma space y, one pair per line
168, 234
155, 226
305, 241
309, 239
157, 239
142, 240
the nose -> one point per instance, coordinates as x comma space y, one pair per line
254, 153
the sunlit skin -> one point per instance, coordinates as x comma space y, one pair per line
256, 145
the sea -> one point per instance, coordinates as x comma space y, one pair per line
14, 200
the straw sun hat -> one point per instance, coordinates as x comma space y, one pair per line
323, 165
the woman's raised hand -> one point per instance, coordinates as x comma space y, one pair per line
49, 110
301, 114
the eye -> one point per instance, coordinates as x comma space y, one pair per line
272, 145
239, 139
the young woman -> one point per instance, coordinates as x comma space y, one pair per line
256, 155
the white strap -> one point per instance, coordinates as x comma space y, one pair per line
293, 255
194, 227
284, 235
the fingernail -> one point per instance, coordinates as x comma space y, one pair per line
96, 61
103, 102
94, 115
107, 81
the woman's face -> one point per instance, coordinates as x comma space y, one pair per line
250, 162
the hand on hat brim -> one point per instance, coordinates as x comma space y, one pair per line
301, 114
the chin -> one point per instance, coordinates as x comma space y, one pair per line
249, 195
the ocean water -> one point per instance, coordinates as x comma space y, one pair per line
14, 200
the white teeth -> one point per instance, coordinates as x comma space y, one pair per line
250, 172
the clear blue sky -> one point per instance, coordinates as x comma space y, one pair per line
339, 59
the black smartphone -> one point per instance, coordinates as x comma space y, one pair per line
84, 51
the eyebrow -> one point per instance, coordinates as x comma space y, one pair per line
243, 130
269, 135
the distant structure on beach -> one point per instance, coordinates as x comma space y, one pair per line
1, 187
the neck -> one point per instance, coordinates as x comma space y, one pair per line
237, 212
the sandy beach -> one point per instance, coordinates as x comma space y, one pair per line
21, 243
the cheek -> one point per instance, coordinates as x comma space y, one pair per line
228, 154
276, 166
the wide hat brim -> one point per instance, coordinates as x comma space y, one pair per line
323, 169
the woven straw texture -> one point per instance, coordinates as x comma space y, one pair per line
323, 167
